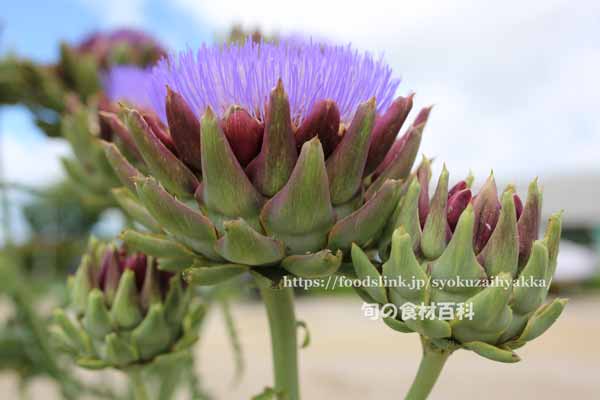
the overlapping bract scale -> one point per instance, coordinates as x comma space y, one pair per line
299, 194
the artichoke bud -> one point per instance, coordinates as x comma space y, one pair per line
467, 254
124, 310
79, 71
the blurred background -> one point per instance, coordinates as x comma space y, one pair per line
515, 87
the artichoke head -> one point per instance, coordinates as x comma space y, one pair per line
230, 194
479, 254
123, 311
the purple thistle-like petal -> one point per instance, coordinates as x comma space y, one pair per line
130, 84
245, 74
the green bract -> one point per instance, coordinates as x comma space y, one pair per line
489, 246
123, 311
226, 203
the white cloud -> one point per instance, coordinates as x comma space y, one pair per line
514, 83
33, 162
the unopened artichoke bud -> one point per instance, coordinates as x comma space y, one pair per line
124, 310
81, 65
121, 46
471, 267
275, 174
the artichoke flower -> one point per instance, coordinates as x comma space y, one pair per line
124, 312
43, 88
83, 72
65, 99
481, 252
267, 180
264, 158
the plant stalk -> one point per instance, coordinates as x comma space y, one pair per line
282, 322
137, 384
432, 362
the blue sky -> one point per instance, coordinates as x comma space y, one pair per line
34, 29
36, 34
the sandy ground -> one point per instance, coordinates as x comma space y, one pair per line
351, 357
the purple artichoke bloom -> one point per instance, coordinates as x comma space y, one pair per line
245, 74
128, 83
306, 170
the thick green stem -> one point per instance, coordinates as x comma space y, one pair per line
282, 322
429, 370
137, 384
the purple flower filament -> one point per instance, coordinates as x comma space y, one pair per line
221, 76
128, 83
